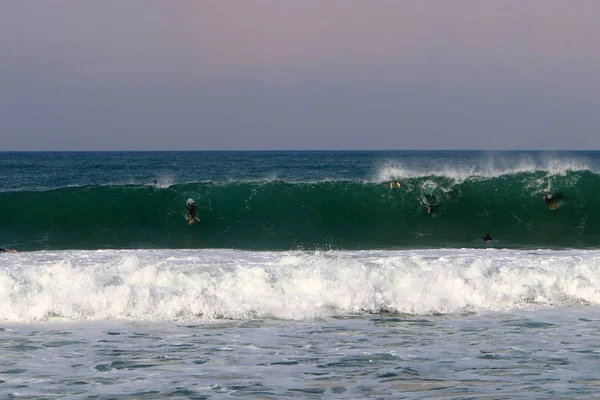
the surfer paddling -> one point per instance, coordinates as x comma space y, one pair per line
3, 250
191, 209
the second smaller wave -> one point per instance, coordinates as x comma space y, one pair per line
169, 285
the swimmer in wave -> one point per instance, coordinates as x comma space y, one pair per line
552, 199
191, 209
394, 185
429, 203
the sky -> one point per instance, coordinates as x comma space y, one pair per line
299, 75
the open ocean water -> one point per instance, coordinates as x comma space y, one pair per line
307, 277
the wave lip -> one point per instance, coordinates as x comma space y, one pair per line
490, 167
209, 284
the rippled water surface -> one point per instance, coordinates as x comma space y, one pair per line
529, 354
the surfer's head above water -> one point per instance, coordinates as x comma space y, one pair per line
191, 207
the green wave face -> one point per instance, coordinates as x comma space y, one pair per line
425, 212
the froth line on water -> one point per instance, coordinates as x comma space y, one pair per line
493, 165
177, 285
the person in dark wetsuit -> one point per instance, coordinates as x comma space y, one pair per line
3, 250
191, 209
552, 199
486, 238
429, 202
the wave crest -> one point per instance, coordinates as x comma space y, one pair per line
490, 167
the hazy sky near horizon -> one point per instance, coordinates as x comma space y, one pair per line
306, 74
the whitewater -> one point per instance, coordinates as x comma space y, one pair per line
192, 285
307, 276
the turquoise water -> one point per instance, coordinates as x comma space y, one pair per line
299, 200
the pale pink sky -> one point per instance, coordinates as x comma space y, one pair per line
498, 52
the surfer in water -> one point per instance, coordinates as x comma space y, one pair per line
394, 185
551, 199
191, 209
429, 202
3, 250
486, 238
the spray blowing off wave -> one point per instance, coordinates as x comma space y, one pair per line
492, 167
523, 210
169, 285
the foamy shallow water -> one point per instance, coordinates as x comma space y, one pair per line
367, 324
543, 354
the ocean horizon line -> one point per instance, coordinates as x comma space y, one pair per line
308, 151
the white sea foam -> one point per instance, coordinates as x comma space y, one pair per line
207, 284
489, 167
